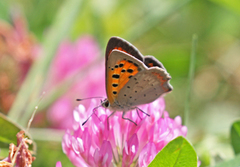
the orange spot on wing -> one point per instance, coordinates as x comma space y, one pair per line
161, 80
109, 87
123, 79
118, 48
150, 64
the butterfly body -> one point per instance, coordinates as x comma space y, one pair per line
131, 78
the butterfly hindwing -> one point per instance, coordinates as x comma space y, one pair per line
145, 87
151, 61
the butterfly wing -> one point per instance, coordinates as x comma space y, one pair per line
145, 87
122, 45
121, 67
132, 79
111, 59
151, 61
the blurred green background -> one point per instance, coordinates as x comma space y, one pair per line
164, 29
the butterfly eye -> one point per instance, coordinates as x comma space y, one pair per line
106, 104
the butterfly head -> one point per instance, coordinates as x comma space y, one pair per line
105, 103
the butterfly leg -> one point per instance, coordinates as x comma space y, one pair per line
142, 111
128, 118
138, 113
91, 115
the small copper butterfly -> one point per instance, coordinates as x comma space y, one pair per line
131, 78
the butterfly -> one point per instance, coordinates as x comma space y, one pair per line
131, 78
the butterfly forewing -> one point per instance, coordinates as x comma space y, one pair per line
121, 67
122, 45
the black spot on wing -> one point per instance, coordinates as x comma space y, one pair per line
115, 85
116, 76
135, 64
130, 70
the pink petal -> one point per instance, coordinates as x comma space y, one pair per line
103, 157
147, 154
130, 150
58, 164
66, 142
99, 129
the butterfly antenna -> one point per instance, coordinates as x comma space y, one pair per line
108, 120
89, 98
91, 115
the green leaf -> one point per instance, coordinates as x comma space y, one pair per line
231, 163
177, 153
8, 131
235, 136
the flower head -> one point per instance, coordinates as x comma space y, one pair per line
72, 57
18, 50
121, 143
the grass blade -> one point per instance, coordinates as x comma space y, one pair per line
31, 88
190, 78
